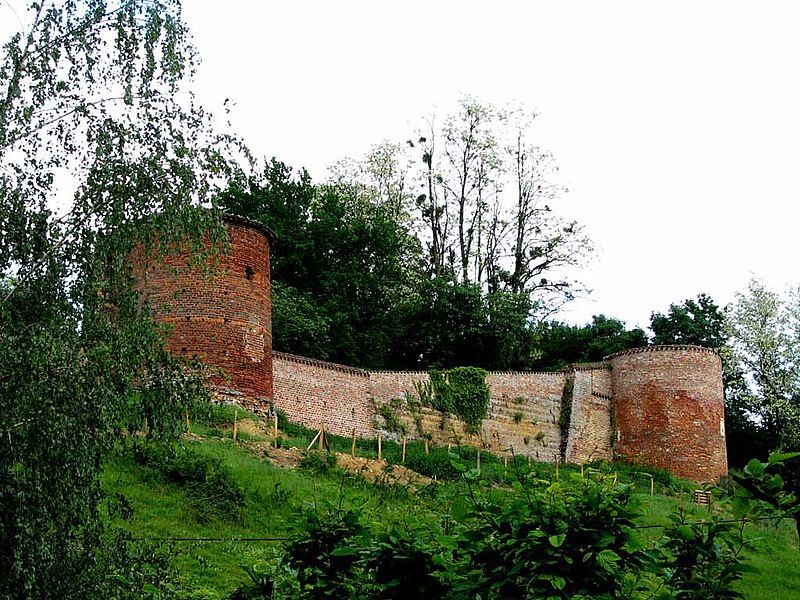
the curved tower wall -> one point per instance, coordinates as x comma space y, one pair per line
668, 410
224, 315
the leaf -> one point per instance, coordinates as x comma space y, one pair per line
607, 559
557, 540
755, 468
558, 582
779, 458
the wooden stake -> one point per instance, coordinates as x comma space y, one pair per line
235, 423
313, 441
426, 446
403, 461
478, 464
449, 447
379, 445
529, 462
505, 466
275, 428
353, 445
322, 439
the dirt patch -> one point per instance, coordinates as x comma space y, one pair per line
374, 471
381, 472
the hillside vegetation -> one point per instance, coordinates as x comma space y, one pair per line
230, 516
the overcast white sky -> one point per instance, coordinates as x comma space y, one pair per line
676, 124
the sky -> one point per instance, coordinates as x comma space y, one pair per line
676, 125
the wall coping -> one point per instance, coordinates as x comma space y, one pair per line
663, 348
313, 362
252, 224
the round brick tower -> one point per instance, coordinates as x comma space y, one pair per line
668, 410
223, 316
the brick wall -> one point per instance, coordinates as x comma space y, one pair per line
589, 433
669, 410
222, 316
315, 393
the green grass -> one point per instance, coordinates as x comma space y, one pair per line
275, 497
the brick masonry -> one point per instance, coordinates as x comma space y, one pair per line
660, 406
221, 315
668, 410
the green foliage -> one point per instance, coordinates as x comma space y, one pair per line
701, 561
322, 553
699, 322
437, 463
390, 419
560, 344
87, 89
554, 540
406, 564
343, 260
462, 391
469, 394
210, 486
318, 462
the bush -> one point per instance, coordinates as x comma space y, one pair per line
437, 464
318, 462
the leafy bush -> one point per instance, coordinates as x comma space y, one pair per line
702, 560
324, 552
405, 564
462, 391
554, 540
437, 464
318, 462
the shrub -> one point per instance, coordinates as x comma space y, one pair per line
437, 464
518, 417
318, 462
324, 552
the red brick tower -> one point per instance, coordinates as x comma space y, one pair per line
668, 410
224, 316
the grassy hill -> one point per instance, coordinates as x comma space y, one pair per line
227, 493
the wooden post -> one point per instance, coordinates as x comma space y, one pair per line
505, 466
426, 446
322, 439
449, 447
478, 463
404, 450
353, 445
557, 461
379, 445
652, 485
275, 428
313, 441
235, 423
529, 462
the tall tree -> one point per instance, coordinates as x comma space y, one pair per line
343, 259
700, 321
94, 89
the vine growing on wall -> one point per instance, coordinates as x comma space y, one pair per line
462, 391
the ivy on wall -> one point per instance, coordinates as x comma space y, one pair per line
462, 391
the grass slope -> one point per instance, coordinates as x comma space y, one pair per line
273, 497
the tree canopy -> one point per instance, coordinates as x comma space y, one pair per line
98, 132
